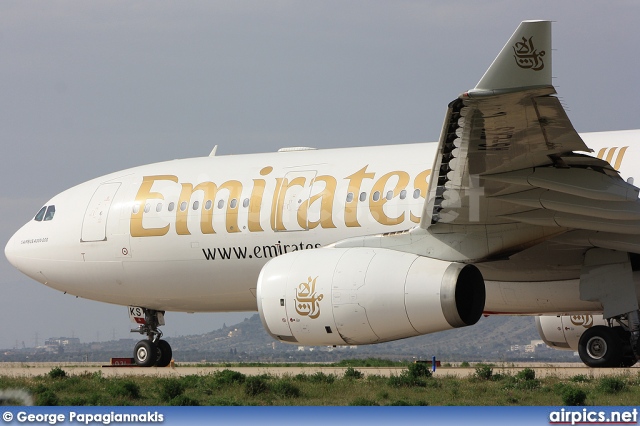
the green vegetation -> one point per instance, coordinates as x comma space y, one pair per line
255, 385
414, 376
171, 388
484, 372
57, 373
413, 385
611, 385
353, 374
571, 395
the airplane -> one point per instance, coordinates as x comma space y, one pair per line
511, 212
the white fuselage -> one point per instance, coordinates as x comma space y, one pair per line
192, 235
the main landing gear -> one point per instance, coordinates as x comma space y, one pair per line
153, 351
612, 346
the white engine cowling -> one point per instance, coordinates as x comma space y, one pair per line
564, 332
356, 296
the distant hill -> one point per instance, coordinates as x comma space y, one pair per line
489, 340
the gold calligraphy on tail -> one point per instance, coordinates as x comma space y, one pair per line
527, 56
307, 300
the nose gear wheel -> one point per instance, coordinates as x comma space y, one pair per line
152, 351
145, 353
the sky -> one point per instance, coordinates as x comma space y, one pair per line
89, 88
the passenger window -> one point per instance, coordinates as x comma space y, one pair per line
147, 207
159, 207
208, 205
136, 208
403, 194
183, 206
416, 194
171, 206
220, 204
363, 196
389, 195
233, 204
376, 196
245, 203
196, 204
51, 211
40, 214
349, 197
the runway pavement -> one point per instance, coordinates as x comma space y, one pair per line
561, 370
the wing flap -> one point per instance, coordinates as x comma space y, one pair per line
494, 135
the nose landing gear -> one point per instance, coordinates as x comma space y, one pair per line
152, 351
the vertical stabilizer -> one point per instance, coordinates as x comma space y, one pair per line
525, 60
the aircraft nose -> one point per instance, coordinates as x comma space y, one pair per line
15, 250
10, 251
27, 253
24, 252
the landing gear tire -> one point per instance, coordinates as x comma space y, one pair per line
145, 353
151, 351
164, 353
628, 357
601, 347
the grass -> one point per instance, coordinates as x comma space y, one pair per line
412, 386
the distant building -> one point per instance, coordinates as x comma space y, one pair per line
530, 348
67, 342
61, 344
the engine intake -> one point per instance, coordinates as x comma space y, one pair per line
355, 296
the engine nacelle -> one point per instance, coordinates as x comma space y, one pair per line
564, 332
357, 296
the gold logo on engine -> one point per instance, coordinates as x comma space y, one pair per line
584, 320
307, 300
527, 56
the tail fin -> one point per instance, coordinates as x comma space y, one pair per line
525, 60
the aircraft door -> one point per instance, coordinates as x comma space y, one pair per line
94, 225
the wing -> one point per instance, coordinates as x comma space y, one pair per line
511, 173
508, 168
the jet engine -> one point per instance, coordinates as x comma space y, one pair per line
564, 332
357, 296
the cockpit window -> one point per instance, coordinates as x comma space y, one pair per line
51, 211
40, 214
45, 213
